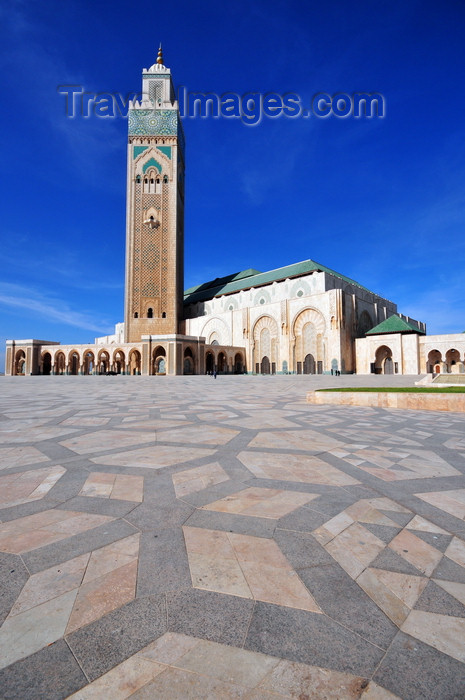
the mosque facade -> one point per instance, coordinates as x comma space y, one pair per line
303, 318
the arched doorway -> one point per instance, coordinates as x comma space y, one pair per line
119, 362
46, 364
73, 362
309, 364
209, 363
434, 362
452, 360
103, 362
20, 362
159, 360
238, 363
221, 363
265, 343
383, 360
309, 348
134, 362
60, 363
188, 367
89, 362
265, 365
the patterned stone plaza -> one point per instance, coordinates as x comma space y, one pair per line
192, 537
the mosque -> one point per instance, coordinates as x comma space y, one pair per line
302, 319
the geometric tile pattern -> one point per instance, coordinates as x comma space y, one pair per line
346, 538
198, 478
395, 464
33, 531
233, 541
301, 468
118, 486
28, 486
153, 457
249, 567
452, 502
261, 503
62, 599
20, 456
178, 666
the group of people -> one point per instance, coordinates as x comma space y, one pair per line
336, 372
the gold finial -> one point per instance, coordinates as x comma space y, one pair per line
160, 56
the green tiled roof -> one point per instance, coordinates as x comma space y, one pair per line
394, 324
253, 278
221, 281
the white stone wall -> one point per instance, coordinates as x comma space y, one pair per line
444, 344
232, 319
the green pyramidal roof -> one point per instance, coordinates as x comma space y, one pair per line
394, 324
254, 278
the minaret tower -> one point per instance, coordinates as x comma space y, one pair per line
155, 209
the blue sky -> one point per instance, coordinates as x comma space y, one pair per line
379, 200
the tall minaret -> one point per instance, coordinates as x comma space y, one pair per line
155, 209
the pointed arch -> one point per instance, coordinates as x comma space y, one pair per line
216, 329
265, 344
309, 349
309, 315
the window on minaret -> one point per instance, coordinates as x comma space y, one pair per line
152, 182
150, 313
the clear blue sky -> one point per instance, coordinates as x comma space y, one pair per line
381, 200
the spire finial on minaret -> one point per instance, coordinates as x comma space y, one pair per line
160, 56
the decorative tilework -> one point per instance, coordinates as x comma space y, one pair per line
166, 150
138, 150
151, 162
153, 122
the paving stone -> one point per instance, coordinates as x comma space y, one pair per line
25, 509
214, 616
116, 636
13, 576
214, 493
350, 635
436, 600
436, 540
228, 522
170, 513
45, 557
51, 673
415, 671
104, 506
309, 638
448, 570
301, 549
390, 560
383, 532
342, 599
163, 564
401, 519
177, 684
303, 520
